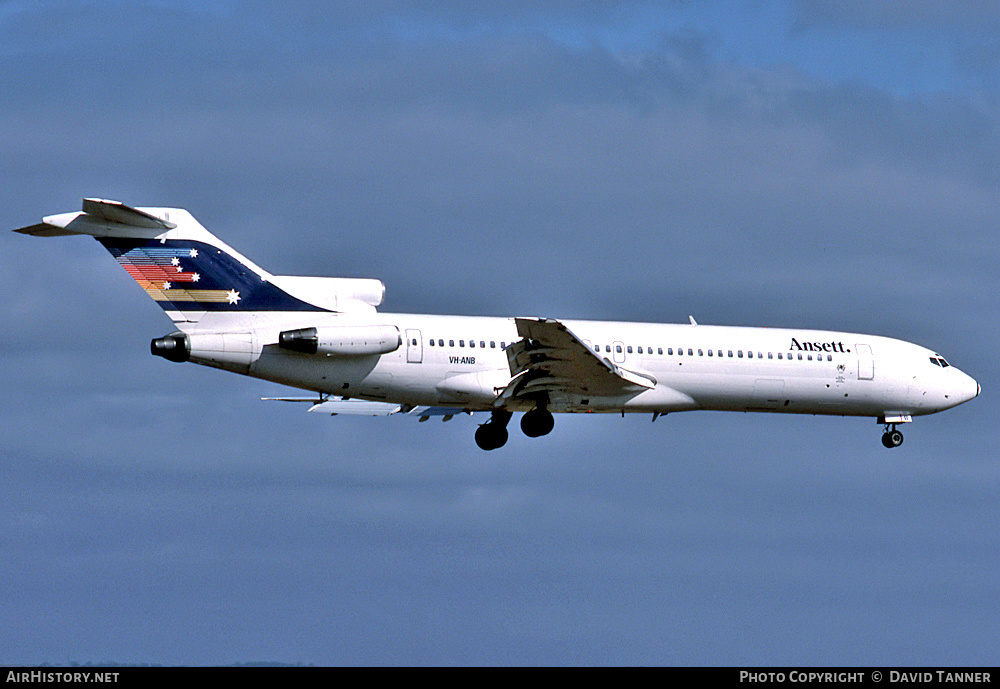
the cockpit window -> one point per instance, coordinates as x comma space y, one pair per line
939, 361
935, 361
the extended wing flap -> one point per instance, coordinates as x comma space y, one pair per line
355, 407
358, 407
551, 358
339, 405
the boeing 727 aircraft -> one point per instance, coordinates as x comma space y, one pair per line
326, 336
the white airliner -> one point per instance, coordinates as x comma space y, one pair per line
325, 335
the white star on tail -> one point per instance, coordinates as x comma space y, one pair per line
175, 261
194, 253
232, 296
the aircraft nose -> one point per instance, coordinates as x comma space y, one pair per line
970, 388
960, 389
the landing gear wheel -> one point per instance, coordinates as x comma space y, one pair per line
537, 422
491, 436
892, 439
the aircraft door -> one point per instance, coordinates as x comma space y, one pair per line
618, 351
768, 393
866, 362
414, 347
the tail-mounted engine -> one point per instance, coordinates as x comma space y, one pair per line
172, 347
344, 340
231, 351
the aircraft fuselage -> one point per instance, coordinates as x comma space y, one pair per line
709, 367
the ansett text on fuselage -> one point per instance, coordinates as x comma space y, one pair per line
818, 346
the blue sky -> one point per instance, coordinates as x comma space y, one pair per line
772, 163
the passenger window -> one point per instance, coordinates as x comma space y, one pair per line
597, 348
759, 355
629, 349
493, 344
701, 353
779, 355
690, 352
739, 353
461, 343
710, 352
809, 357
750, 355
829, 357
503, 345
451, 343
472, 343
670, 351
720, 353
659, 350
607, 348
800, 357
680, 351
432, 342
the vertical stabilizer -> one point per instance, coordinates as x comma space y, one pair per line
182, 266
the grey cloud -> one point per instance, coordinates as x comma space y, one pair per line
928, 14
967, 30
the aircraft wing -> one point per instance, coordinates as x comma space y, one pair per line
551, 358
355, 407
358, 407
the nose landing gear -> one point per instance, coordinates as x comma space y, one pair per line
892, 438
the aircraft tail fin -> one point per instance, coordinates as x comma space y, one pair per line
188, 271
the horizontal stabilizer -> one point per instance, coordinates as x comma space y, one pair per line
43, 229
102, 218
116, 211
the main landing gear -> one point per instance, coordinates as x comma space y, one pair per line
493, 434
892, 438
537, 422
